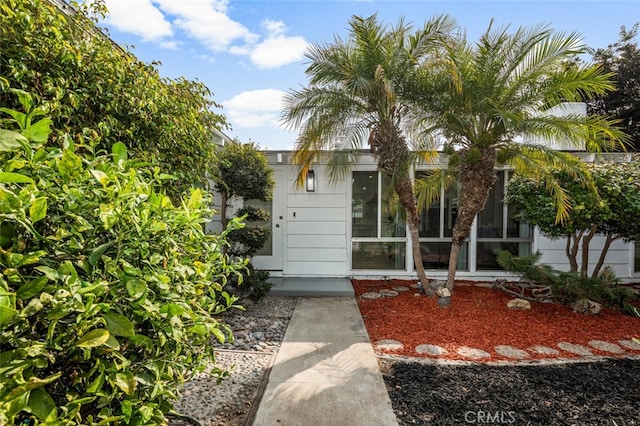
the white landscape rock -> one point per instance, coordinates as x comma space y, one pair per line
519, 304
586, 306
443, 292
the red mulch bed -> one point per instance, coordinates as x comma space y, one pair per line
479, 318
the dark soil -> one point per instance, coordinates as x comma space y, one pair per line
579, 393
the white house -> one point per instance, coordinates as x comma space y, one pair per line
345, 229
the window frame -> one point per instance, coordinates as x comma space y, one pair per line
468, 265
504, 175
442, 238
379, 238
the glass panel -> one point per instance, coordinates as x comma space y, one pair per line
486, 258
392, 213
429, 217
517, 228
435, 255
267, 248
430, 221
490, 219
364, 207
636, 261
450, 209
378, 255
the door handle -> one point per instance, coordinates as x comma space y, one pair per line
277, 225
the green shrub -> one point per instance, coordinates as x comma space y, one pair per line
248, 240
254, 283
108, 292
568, 287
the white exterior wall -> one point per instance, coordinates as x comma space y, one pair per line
316, 235
619, 257
315, 240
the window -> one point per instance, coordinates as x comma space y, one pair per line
378, 255
377, 224
498, 228
436, 228
379, 237
636, 259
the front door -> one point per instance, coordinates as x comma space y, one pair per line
270, 257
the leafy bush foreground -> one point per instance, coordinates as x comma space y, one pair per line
108, 292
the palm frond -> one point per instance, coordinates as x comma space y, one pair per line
356, 94
339, 164
605, 134
430, 184
435, 32
593, 133
541, 164
540, 55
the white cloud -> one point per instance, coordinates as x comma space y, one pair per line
277, 49
206, 21
240, 50
255, 108
274, 27
139, 17
169, 45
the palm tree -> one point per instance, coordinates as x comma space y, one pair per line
489, 102
355, 93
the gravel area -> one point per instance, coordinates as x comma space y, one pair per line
258, 333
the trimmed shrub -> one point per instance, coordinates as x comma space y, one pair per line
243, 172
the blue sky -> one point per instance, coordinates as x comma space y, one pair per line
250, 52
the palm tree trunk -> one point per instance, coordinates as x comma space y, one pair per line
453, 260
477, 177
461, 229
407, 198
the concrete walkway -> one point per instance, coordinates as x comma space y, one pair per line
325, 372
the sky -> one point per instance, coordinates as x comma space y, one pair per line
249, 53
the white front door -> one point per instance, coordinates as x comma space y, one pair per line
270, 257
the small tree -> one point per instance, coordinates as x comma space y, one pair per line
242, 172
609, 212
356, 94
